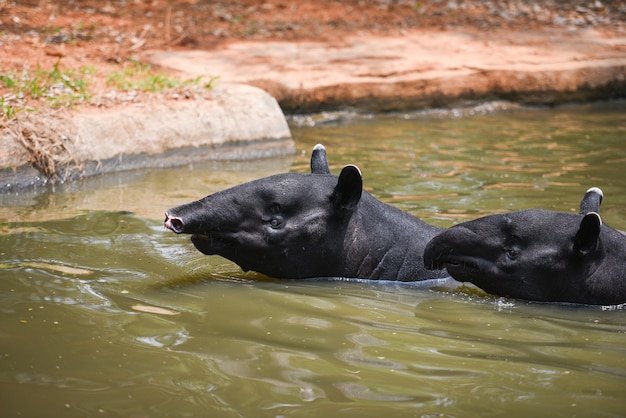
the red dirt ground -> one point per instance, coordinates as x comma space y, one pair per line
106, 35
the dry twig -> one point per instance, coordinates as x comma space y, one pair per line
47, 140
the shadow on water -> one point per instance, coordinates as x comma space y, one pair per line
147, 193
105, 313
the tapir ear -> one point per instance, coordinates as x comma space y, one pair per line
587, 236
319, 163
591, 201
348, 191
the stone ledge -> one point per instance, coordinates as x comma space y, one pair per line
421, 69
234, 122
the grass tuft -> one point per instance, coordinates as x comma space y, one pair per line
62, 88
59, 88
137, 76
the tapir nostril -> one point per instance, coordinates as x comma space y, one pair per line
175, 224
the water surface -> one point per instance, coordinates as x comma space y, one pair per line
105, 313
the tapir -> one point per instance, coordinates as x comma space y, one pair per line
538, 255
298, 225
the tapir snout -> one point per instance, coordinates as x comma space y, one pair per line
174, 223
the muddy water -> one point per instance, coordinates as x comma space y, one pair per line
104, 313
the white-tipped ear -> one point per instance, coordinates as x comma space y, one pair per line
595, 190
319, 163
348, 191
586, 238
591, 201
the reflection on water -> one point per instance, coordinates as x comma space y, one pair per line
103, 312
459, 168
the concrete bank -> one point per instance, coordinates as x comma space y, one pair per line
233, 121
421, 69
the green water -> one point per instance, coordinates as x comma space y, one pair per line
105, 313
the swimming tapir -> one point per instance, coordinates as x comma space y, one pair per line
537, 255
298, 225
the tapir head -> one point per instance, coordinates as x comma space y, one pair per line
532, 254
286, 225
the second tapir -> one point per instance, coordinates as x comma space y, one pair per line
298, 225
538, 255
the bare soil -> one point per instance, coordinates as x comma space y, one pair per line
106, 35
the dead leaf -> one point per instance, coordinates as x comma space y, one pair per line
154, 310
55, 267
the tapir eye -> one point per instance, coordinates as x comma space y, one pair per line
276, 222
511, 253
